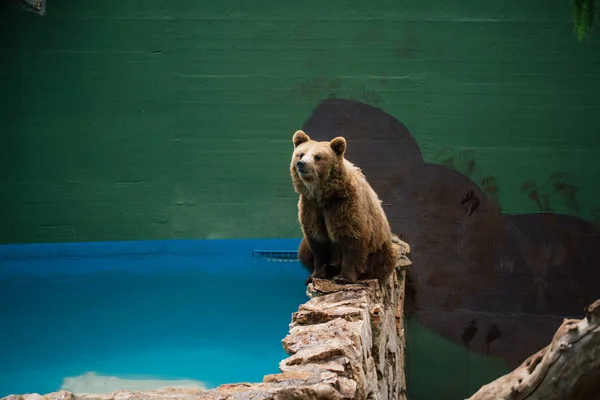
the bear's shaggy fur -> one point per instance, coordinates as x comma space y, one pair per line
345, 228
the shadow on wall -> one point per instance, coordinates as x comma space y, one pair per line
499, 284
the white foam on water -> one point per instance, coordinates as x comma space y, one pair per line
91, 383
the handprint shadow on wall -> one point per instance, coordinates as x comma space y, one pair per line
469, 259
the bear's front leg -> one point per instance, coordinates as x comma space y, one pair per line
354, 261
322, 255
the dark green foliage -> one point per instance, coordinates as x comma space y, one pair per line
584, 12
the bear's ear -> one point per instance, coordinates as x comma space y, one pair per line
299, 138
338, 145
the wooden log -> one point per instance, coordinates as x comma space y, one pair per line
568, 368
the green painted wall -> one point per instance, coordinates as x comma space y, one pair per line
127, 120
164, 119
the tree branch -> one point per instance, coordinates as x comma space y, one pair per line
568, 368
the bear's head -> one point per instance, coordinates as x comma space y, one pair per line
315, 163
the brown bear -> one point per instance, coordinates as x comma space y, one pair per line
345, 228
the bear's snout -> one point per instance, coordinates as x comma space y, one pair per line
301, 166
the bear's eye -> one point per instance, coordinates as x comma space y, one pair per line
301, 155
317, 157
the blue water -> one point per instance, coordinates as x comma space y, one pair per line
201, 310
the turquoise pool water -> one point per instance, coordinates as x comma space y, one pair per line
205, 311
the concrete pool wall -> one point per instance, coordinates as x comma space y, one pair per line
346, 342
